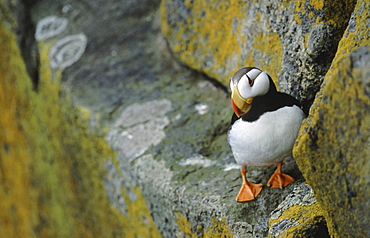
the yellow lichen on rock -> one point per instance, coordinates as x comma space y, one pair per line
219, 228
334, 9
330, 11
52, 176
217, 30
333, 148
333, 155
185, 227
270, 48
301, 44
317, 4
138, 221
299, 215
219, 37
15, 166
357, 33
207, 31
296, 42
47, 160
296, 220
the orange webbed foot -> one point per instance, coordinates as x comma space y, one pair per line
278, 179
248, 192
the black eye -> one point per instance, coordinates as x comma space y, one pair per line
250, 81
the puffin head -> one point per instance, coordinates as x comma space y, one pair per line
246, 84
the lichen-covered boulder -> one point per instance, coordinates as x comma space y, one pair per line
294, 41
334, 148
52, 162
299, 215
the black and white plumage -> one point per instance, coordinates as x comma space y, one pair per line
264, 126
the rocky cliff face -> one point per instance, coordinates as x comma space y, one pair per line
294, 42
105, 73
307, 47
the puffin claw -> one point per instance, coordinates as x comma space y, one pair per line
248, 192
278, 179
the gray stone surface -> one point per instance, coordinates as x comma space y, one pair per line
19, 19
167, 123
301, 195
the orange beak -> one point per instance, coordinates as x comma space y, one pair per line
237, 111
239, 104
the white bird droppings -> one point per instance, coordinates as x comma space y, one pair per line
66, 8
198, 160
67, 51
202, 108
229, 167
50, 26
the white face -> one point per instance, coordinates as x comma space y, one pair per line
253, 83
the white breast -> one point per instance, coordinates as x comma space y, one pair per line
268, 140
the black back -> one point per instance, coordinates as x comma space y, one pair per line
271, 101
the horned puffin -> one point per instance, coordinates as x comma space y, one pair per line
263, 128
